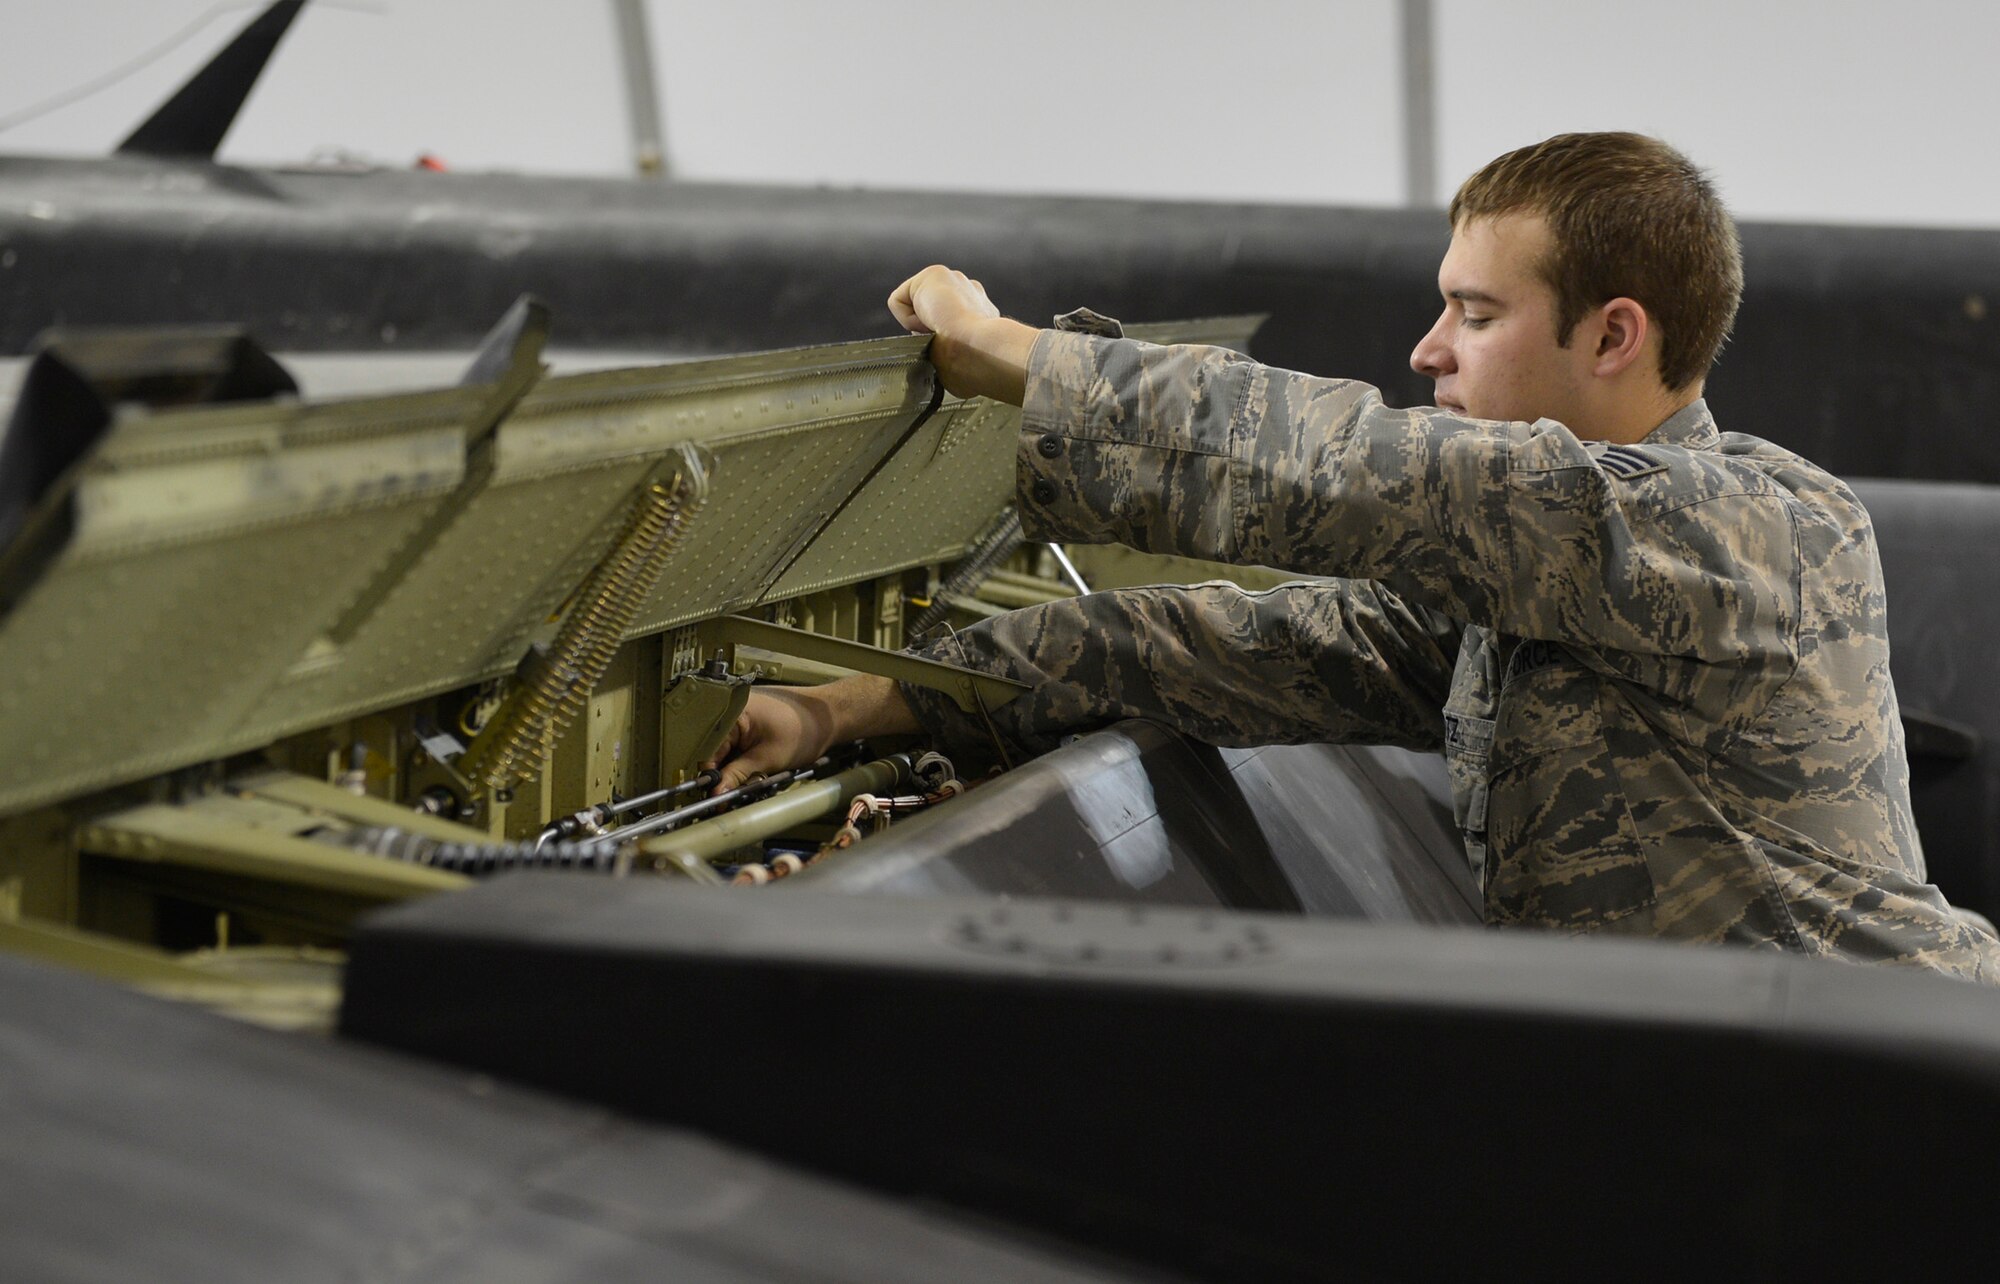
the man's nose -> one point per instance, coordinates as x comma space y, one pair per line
1432, 356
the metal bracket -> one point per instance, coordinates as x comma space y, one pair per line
967, 688
318, 796
260, 836
695, 714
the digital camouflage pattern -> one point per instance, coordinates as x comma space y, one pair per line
1659, 673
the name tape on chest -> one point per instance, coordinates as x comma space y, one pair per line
1629, 462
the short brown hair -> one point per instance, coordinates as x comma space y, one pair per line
1628, 216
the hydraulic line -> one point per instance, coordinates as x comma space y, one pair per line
740, 796
994, 547
706, 780
690, 850
864, 806
697, 833
591, 820
608, 852
518, 740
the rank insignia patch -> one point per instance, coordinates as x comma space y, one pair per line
1627, 462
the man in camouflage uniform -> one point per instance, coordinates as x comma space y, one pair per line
1654, 654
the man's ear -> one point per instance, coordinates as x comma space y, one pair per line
1622, 327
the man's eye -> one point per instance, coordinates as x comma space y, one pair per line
1475, 323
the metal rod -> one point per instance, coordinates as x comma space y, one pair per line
1419, 106
692, 848
569, 825
705, 780
1068, 567
709, 806
642, 94
1022, 592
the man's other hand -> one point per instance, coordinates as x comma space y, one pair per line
785, 727
779, 728
977, 352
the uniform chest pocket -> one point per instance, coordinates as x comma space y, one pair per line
1562, 849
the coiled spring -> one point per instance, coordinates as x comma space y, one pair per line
490, 858
519, 739
995, 547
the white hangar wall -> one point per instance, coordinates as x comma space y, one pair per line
1805, 109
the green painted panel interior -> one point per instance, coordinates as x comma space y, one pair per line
789, 434
942, 490
207, 556
929, 502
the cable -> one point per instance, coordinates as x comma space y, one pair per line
933, 768
591, 820
749, 791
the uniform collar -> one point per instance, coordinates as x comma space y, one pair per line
1691, 426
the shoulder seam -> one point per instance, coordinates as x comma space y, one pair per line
1102, 440
1696, 502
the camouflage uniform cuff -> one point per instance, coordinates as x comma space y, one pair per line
1129, 442
1063, 387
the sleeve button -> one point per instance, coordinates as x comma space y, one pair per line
1050, 445
1044, 491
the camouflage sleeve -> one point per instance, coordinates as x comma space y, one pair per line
1326, 660
1203, 453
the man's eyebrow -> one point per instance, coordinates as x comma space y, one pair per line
1470, 296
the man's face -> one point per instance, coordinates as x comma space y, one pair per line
1493, 353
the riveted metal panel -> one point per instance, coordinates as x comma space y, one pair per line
787, 431
210, 549
941, 491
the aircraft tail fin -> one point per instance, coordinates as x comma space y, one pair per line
193, 121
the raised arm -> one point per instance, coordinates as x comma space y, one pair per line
1205, 453
1202, 452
